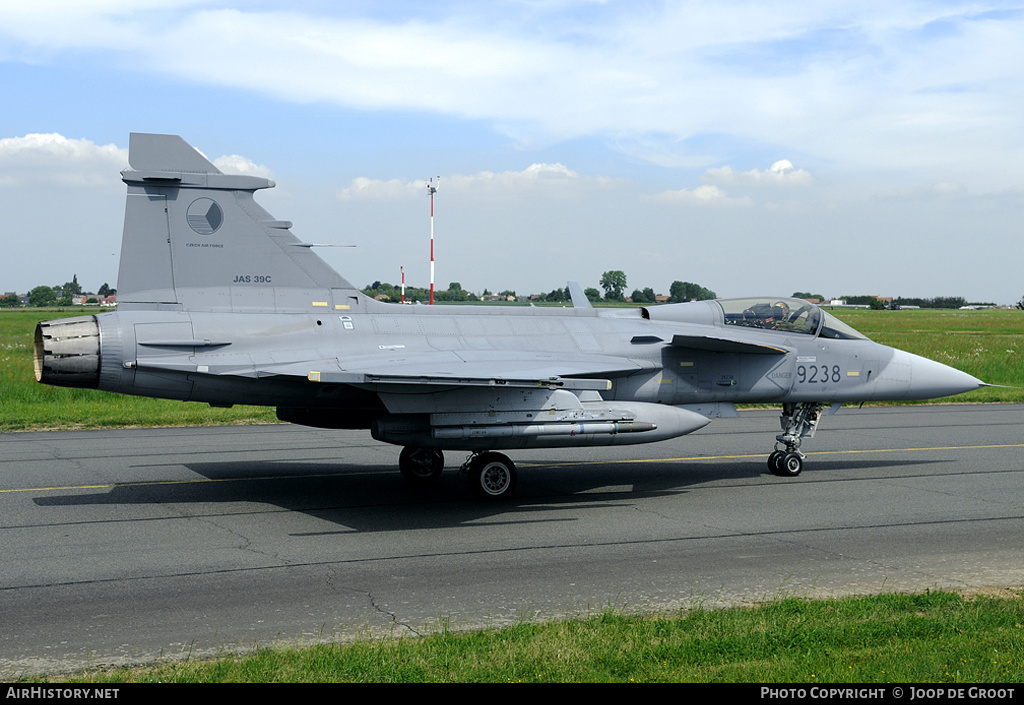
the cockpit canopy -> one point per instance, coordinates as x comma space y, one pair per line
786, 316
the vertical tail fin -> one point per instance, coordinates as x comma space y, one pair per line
195, 238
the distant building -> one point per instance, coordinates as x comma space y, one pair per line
22, 298
93, 300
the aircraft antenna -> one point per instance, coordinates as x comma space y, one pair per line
431, 190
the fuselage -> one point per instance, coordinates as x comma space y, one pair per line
676, 354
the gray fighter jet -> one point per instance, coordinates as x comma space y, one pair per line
219, 302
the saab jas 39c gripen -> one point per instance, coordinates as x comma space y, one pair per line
219, 302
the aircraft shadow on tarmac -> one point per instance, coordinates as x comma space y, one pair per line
361, 498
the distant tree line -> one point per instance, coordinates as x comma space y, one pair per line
60, 295
454, 292
613, 282
937, 302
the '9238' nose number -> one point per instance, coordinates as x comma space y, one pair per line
818, 374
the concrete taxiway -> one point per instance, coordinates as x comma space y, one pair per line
129, 546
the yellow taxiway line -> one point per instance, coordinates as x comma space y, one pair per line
630, 461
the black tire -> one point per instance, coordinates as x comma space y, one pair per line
775, 462
492, 476
791, 465
421, 466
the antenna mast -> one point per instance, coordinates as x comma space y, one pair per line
431, 190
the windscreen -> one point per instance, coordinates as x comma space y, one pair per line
834, 328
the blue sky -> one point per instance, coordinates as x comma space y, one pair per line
754, 148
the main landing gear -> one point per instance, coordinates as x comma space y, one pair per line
492, 476
798, 422
420, 466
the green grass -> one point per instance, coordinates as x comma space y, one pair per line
935, 637
987, 344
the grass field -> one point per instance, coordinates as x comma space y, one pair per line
935, 637
987, 344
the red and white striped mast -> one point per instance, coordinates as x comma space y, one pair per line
403, 283
431, 190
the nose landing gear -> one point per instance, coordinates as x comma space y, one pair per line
798, 422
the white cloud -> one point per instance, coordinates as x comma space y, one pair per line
366, 189
530, 173
781, 173
874, 85
235, 164
949, 188
543, 180
701, 196
53, 158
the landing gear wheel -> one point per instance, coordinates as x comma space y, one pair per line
492, 476
421, 466
798, 422
791, 465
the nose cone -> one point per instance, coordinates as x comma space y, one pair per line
927, 379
